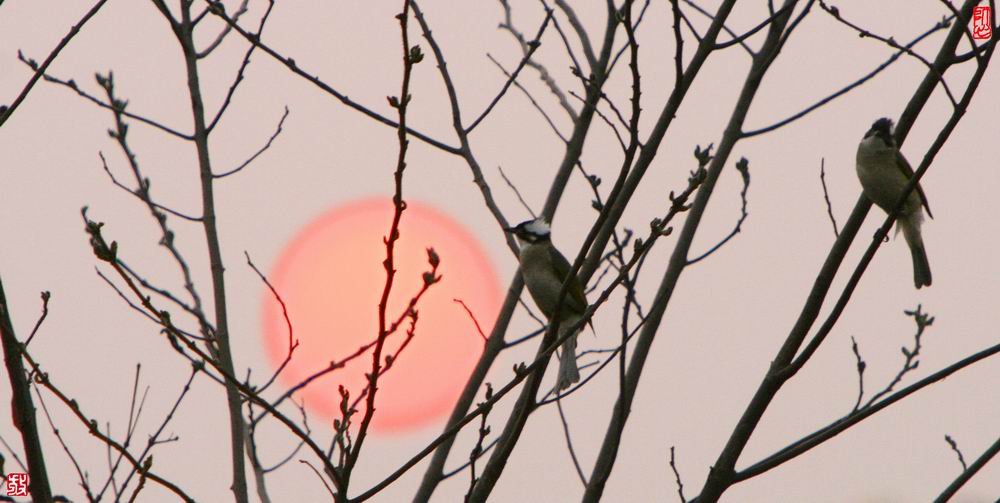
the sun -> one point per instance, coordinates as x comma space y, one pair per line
330, 276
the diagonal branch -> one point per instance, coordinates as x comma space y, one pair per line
242, 9
253, 38
969, 472
22, 408
783, 367
7, 111
891, 42
532, 47
865, 78
581, 33
260, 151
543, 72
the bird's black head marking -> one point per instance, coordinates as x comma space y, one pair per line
882, 129
531, 231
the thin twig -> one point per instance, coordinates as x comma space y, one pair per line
731, 33
543, 73
477, 450
860, 366
750, 32
154, 439
291, 455
970, 472
958, 452
266, 146
581, 32
677, 476
531, 98
7, 111
516, 192
614, 128
243, 66
42, 378
743, 166
474, 320
575, 68
13, 454
339, 364
826, 196
292, 341
532, 46
468, 463
138, 194
865, 78
84, 478
290, 63
891, 42
569, 443
46, 295
635, 27
71, 84
242, 9
911, 361
320, 477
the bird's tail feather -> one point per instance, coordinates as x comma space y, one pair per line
921, 267
569, 373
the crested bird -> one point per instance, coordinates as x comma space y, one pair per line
544, 270
884, 172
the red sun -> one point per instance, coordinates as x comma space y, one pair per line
330, 276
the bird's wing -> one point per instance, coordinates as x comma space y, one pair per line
904, 166
576, 299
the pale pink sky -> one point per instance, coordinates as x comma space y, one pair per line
725, 321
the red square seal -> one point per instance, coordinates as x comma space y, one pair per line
981, 28
17, 484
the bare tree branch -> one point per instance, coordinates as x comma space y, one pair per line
46, 295
891, 42
581, 33
826, 196
22, 408
42, 378
892, 59
7, 111
526, 48
743, 167
218, 10
257, 154
242, 9
243, 65
958, 452
677, 477
969, 472
569, 443
783, 367
532, 46
534, 102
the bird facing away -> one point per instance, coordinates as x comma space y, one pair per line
544, 270
884, 173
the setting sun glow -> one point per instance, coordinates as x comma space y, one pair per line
330, 275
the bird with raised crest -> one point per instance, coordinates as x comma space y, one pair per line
545, 270
884, 173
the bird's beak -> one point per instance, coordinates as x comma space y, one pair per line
508, 230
